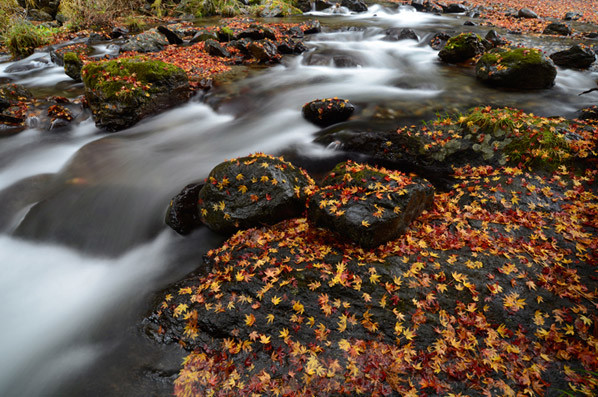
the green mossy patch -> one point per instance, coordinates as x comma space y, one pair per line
460, 40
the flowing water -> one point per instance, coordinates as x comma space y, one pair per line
83, 246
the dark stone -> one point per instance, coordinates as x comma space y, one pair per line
242, 45
418, 5
521, 68
59, 124
355, 5
38, 15
312, 27
150, 41
527, 13
591, 35
572, 16
303, 5
256, 32
344, 61
590, 113
495, 39
290, 46
4, 103
461, 48
396, 34
216, 49
454, 8
367, 217
14, 93
330, 59
265, 51
326, 112
27, 65
321, 5
559, 29
295, 32
118, 32
576, 57
203, 35
252, 191
469, 23
95, 38
171, 36
114, 109
182, 214
438, 41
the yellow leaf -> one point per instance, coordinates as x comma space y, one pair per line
264, 339
249, 320
365, 223
344, 345
276, 300
270, 318
284, 333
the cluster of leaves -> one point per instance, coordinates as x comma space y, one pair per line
59, 112
523, 138
23, 37
493, 290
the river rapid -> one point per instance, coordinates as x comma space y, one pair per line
83, 246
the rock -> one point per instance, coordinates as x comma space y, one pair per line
277, 9
27, 65
171, 36
321, 5
368, 205
326, 112
418, 5
256, 32
203, 35
303, 5
355, 5
265, 51
330, 59
182, 214
214, 48
118, 32
38, 15
559, 29
438, 41
72, 65
454, 8
469, 23
590, 113
149, 41
252, 191
577, 57
461, 48
136, 89
226, 34
4, 103
527, 13
495, 39
311, 27
295, 32
14, 93
591, 35
396, 34
572, 16
290, 46
345, 61
242, 45
521, 68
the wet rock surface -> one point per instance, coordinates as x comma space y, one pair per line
326, 112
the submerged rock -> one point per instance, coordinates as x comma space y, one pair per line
521, 68
578, 57
325, 112
462, 47
559, 29
252, 191
368, 205
123, 91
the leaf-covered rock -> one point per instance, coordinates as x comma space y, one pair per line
325, 112
73, 65
521, 68
123, 91
368, 205
559, 29
252, 191
577, 57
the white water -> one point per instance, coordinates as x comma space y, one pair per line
55, 288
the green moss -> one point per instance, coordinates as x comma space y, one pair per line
511, 57
23, 37
71, 57
127, 76
460, 40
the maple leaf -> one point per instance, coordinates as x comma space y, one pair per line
264, 339
249, 319
365, 223
511, 302
284, 333
270, 318
276, 300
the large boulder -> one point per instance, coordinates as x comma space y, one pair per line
462, 47
527, 13
521, 68
397, 34
367, 205
355, 5
265, 51
123, 91
252, 191
454, 8
577, 57
73, 65
329, 111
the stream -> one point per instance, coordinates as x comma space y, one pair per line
83, 244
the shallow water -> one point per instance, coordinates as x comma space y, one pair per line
83, 244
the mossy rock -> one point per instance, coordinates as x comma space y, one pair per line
521, 68
73, 65
123, 91
274, 8
462, 47
252, 191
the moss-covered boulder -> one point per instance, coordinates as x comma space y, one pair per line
123, 91
276, 9
462, 47
252, 191
328, 111
73, 65
521, 68
367, 205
